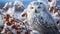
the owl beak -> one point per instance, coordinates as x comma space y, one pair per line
35, 11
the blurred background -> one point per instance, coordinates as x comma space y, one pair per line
25, 2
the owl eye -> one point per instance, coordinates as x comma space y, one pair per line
41, 3
39, 7
32, 7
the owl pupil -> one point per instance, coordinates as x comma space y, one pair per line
31, 7
40, 3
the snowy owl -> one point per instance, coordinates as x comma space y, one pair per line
39, 19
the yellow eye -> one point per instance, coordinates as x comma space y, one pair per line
32, 7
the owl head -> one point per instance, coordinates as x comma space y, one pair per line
36, 7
